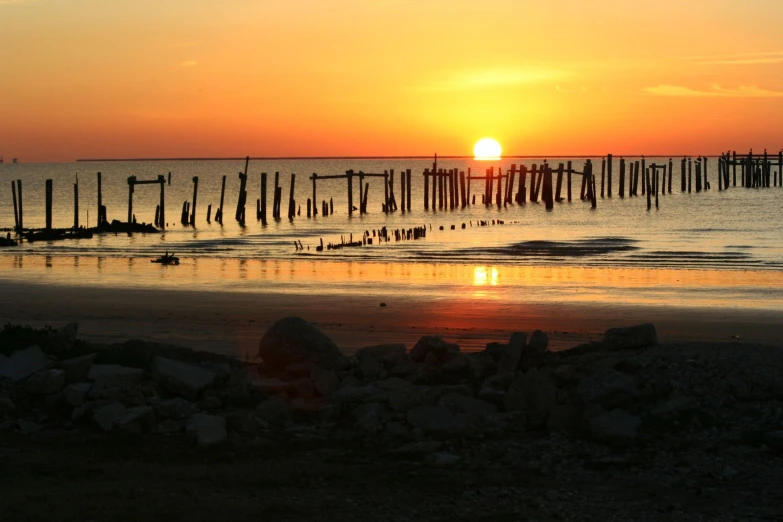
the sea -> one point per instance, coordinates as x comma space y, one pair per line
712, 248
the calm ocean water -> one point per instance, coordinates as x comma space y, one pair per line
737, 229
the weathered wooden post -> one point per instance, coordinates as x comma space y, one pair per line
569, 182
315, 204
76, 204
403, 194
603, 175
209, 213
349, 177
583, 190
364, 204
291, 203
683, 178
21, 204
670, 175
361, 192
647, 182
705, 183
690, 174
622, 178
498, 195
386, 204
560, 168
522, 191
464, 197
533, 179
391, 189
162, 204
588, 175
426, 189
219, 214
49, 190
408, 183
698, 175
16, 207
609, 175
548, 197
100, 201
131, 186
195, 197
263, 198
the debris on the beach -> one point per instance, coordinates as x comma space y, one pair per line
166, 259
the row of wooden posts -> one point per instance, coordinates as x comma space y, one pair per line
450, 188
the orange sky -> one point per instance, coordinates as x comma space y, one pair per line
196, 78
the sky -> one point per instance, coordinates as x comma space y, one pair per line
220, 78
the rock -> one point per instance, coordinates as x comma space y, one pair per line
112, 371
535, 352
508, 362
460, 364
370, 368
176, 408
26, 427
69, 333
616, 428
774, 440
23, 363
7, 408
325, 382
492, 395
76, 394
208, 430
533, 393
270, 385
609, 389
469, 405
639, 336
274, 410
418, 448
495, 350
387, 354
107, 417
563, 418
171, 426
292, 339
368, 417
393, 384
440, 349
355, 393
133, 353
437, 419
137, 420
45, 382
563, 374
441, 460
78, 368
183, 379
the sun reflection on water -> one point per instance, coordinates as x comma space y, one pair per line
483, 276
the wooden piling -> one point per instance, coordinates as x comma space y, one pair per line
583, 190
16, 207
386, 204
391, 197
49, 190
671, 172
195, 198
76, 204
408, 183
533, 180
162, 203
498, 196
21, 204
698, 175
609, 175
560, 169
690, 174
547, 195
647, 183
278, 199
349, 177
100, 200
291, 203
131, 187
683, 179
426, 189
568, 180
603, 175
263, 198
621, 190
464, 197
364, 204
522, 192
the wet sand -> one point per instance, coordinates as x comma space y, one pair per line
232, 322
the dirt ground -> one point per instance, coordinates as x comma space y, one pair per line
82, 477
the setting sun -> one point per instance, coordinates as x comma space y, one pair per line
487, 149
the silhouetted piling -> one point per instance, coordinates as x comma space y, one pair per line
568, 181
349, 177
559, 182
16, 206
690, 174
621, 190
408, 183
263, 199
49, 190
603, 175
291, 202
195, 199
100, 201
522, 192
609, 175
76, 204
426, 189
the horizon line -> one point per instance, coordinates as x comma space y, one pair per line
416, 157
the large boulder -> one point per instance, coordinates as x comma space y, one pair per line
24, 363
45, 382
77, 368
508, 362
441, 351
639, 336
183, 379
208, 430
294, 340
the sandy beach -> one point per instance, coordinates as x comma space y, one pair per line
232, 322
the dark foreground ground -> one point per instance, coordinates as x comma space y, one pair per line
296, 476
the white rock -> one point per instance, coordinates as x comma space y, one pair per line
76, 394
107, 416
45, 382
24, 363
78, 368
98, 371
183, 379
209, 430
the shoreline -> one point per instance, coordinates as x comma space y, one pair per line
232, 322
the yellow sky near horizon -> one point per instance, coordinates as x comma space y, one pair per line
200, 78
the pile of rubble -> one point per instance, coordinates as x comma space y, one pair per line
625, 391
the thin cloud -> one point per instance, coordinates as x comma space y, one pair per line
13, 2
756, 58
489, 79
189, 63
743, 91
